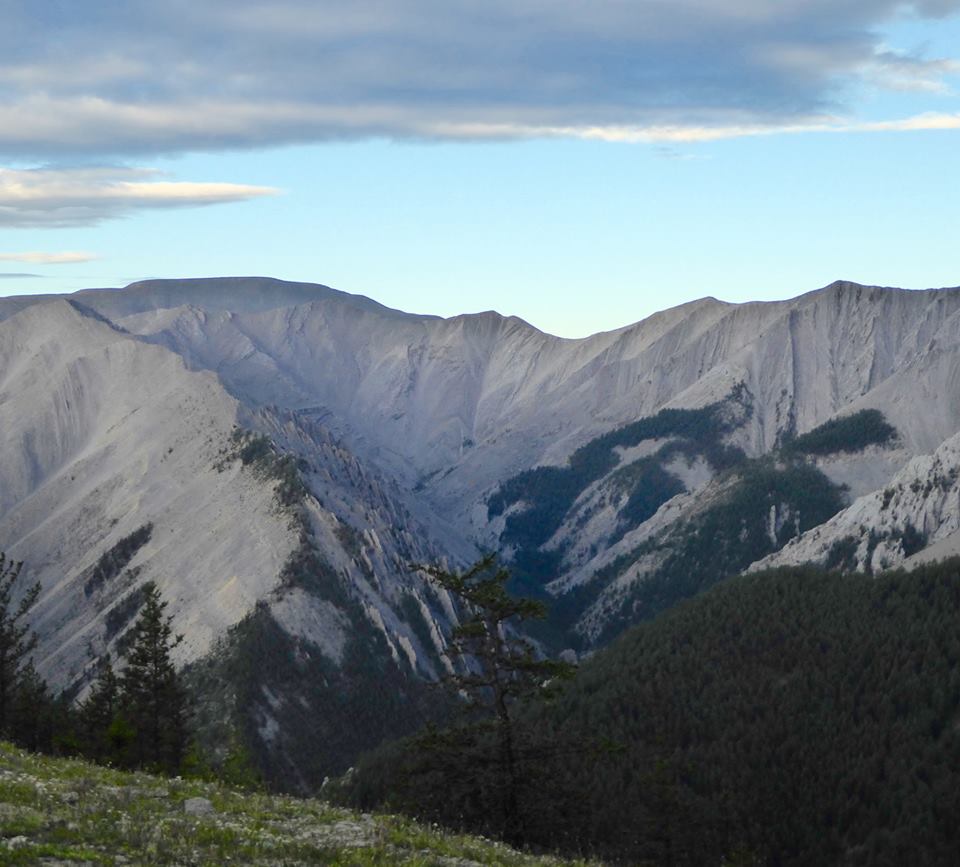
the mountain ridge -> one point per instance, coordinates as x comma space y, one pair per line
304, 455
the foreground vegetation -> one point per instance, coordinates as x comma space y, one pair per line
795, 717
59, 811
137, 719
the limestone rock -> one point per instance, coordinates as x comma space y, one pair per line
198, 807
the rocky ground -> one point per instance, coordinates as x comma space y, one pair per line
59, 812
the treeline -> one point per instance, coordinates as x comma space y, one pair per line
847, 433
793, 717
550, 492
724, 538
132, 718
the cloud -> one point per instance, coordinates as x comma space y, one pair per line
181, 75
86, 196
904, 72
11, 276
65, 258
671, 135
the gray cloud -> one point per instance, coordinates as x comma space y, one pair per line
13, 276
899, 71
55, 198
136, 77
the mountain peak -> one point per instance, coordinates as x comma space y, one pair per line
237, 294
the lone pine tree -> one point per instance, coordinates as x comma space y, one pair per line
493, 667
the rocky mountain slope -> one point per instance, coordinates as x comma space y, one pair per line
104, 436
456, 406
914, 518
121, 466
275, 455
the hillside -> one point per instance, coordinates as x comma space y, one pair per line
805, 717
917, 508
58, 811
791, 717
122, 466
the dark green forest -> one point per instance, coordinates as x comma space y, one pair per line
720, 541
848, 433
551, 491
723, 539
794, 717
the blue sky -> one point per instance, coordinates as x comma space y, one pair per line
579, 165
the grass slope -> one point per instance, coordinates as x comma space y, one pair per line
63, 811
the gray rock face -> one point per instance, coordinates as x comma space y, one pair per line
915, 517
461, 403
102, 434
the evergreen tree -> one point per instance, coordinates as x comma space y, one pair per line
97, 714
16, 639
493, 667
152, 698
37, 719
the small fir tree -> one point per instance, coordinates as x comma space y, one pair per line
97, 713
17, 641
152, 698
33, 712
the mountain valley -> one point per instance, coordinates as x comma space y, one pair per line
276, 457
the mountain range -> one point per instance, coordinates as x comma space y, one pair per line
277, 456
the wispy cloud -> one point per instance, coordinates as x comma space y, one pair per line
64, 258
14, 276
182, 75
85, 196
679, 134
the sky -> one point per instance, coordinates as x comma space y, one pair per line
580, 165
